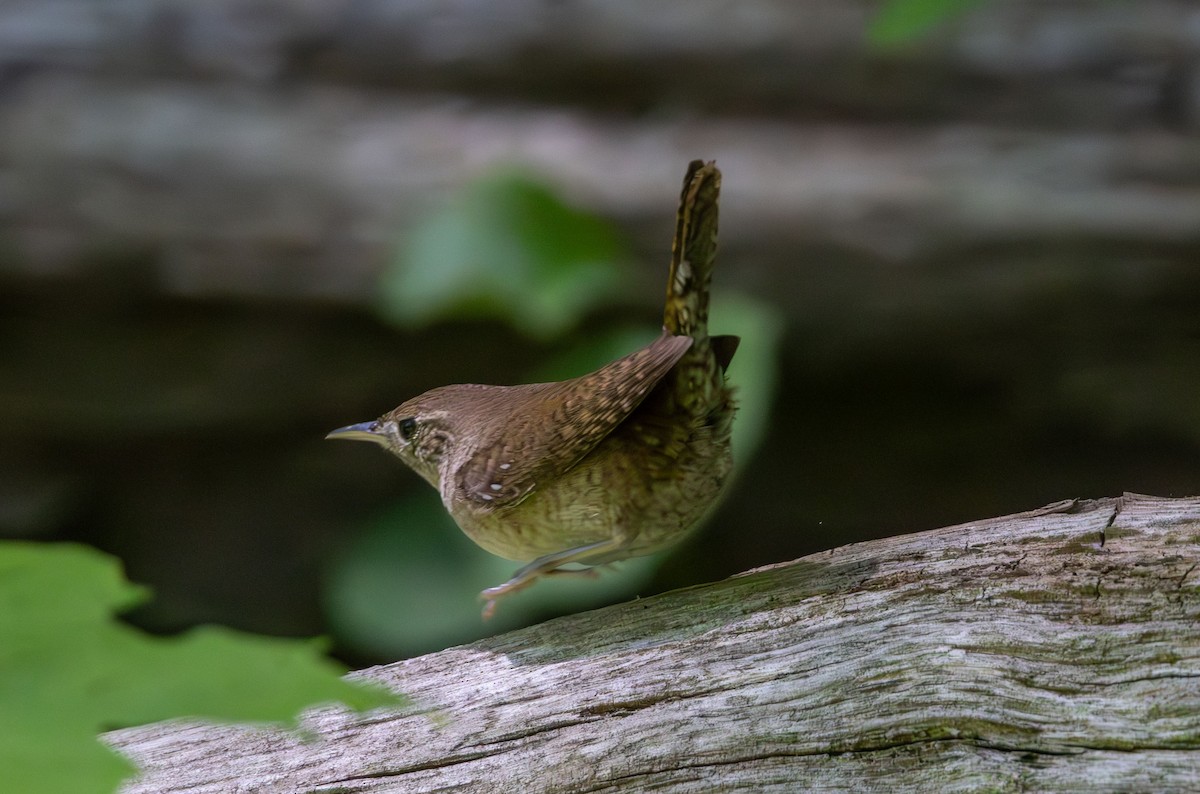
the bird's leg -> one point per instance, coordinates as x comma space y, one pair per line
547, 565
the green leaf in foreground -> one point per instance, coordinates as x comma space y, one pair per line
902, 20
506, 247
69, 671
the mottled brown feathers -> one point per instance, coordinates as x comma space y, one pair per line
551, 427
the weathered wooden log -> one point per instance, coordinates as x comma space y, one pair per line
1053, 650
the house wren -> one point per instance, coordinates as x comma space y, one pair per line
615, 464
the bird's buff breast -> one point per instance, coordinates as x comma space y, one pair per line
603, 496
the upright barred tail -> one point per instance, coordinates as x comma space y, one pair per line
693, 252
698, 379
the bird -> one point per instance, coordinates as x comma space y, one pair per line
617, 463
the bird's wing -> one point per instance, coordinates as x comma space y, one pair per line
554, 425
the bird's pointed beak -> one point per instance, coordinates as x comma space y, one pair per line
363, 431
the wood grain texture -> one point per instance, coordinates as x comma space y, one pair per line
1053, 650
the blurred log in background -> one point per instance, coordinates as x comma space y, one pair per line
967, 267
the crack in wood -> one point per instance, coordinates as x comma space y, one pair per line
1117, 505
440, 763
1179, 585
621, 782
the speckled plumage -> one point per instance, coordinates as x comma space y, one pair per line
617, 463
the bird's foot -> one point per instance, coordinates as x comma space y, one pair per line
551, 564
493, 594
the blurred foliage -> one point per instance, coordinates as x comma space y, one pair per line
508, 248
899, 21
409, 582
755, 368
68, 671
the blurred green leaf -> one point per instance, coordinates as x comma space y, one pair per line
506, 247
409, 584
903, 20
594, 351
69, 671
754, 372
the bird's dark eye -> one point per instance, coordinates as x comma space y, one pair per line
407, 427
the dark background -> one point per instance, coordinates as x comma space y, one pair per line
971, 260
